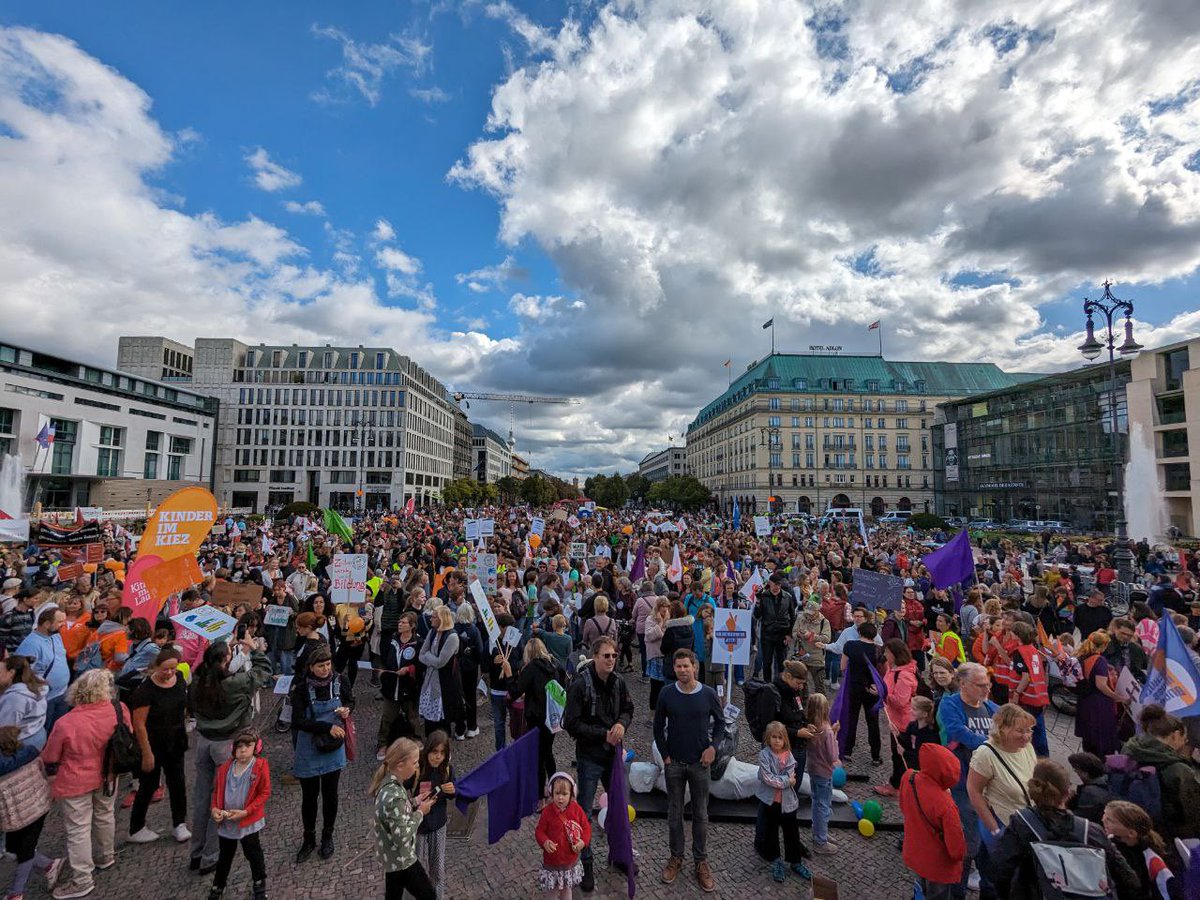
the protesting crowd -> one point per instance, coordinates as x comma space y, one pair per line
549, 628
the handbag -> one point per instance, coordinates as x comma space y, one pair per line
24, 796
351, 738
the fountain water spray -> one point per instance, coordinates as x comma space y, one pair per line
12, 486
1143, 498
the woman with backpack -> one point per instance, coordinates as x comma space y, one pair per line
1045, 838
1162, 746
159, 709
600, 624
79, 747
1096, 713
470, 653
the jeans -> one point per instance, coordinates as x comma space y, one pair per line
282, 661
681, 776
970, 827
590, 775
251, 847
934, 890
773, 654
1041, 745
210, 755
642, 650
822, 807
90, 825
500, 719
833, 667
56, 708
170, 766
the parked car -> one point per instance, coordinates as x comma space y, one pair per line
955, 521
982, 525
895, 517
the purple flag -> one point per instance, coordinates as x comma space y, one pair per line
639, 565
509, 779
957, 594
952, 563
839, 711
616, 823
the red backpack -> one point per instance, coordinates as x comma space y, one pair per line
834, 610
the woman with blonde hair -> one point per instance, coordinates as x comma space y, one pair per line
441, 694
996, 778
77, 745
397, 817
1096, 716
539, 669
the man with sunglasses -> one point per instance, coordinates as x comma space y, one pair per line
599, 710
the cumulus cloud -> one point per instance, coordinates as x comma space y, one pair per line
489, 278
308, 208
383, 231
365, 67
268, 174
693, 169
81, 147
538, 309
396, 260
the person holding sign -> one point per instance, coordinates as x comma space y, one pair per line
537, 671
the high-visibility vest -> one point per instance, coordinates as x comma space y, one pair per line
1002, 670
1037, 691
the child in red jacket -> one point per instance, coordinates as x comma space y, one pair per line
239, 807
933, 836
562, 832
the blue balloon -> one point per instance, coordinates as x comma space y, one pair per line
629, 755
839, 777
857, 807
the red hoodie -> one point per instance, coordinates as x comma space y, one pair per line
933, 836
558, 826
256, 799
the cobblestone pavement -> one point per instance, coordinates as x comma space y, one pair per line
866, 869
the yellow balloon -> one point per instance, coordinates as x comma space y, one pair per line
632, 813
866, 827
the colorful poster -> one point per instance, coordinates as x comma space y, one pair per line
486, 614
207, 621
180, 525
537, 526
171, 577
348, 572
277, 615
731, 637
483, 567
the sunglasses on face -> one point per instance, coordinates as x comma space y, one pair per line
608, 656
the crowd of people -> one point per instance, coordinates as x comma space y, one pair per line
962, 674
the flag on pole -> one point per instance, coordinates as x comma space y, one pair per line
737, 515
767, 324
410, 505
45, 437
952, 563
616, 823
268, 545
312, 559
638, 572
335, 524
675, 570
873, 325
1171, 678
1160, 874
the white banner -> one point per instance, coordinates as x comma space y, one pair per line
472, 530
348, 572
762, 526
487, 527
14, 531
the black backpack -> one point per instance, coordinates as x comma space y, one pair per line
752, 690
122, 755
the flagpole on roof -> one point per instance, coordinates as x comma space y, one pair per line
880, 329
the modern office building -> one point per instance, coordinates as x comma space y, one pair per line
1042, 449
119, 441
804, 432
1164, 417
520, 467
493, 458
337, 426
663, 464
464, 435
156, 358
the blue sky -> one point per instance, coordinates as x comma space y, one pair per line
635, 188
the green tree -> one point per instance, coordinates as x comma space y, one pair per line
509, 487
609, 490
679, 492
537, 491
461, 492
638, 484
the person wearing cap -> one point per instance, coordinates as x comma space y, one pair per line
8, 594
776, 615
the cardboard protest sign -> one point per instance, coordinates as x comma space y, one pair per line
180, 525
226, 593
512, 636
579, 550
877, 590
486, 614
69, 572
206, 621
348, 573
762, 526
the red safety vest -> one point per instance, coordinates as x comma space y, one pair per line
1037, 692
1002, 670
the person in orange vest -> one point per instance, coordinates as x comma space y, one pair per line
998, 650
1032, 691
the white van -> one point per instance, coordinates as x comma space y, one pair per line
895, 517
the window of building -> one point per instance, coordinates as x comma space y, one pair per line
283, 476
795, 460
883, 460
108, 458
902, 461
902, 423
341, 477
246, 475
379, 361
66, 433
879, 424
7, 431
870, 460
1175, 363
839, 405
901, 406
800, 384
773, 421
773, 403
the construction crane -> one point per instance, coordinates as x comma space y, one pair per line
512, 400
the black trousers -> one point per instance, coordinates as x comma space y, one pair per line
861, 700
23, 842
898, 764
348, 653
413, 879
470, 684
772, 818
546, 763
170, 767
251, 848
323, 786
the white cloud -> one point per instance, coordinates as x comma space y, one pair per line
308, 208
269, 175
366, 66
488, 278
396, 260
383, 231
539, 309
81, 147
429, 95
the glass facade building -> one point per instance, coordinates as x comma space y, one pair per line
1040, 450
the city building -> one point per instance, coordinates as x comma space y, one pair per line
804, 432
493, 458
120, 441
1164, 417
156, 358
337, 426
663, 464
1038, 450
464, 435
520, 467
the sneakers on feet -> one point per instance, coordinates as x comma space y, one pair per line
71, 891
826, 849
704, 877
181, 833
802, 870
779, 871
886, 790
143, 836
474, 732
53, 870
671, 872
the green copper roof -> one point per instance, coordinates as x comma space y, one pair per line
822, 374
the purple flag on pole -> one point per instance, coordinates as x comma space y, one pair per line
952, 563
509, 778
639, 565
616, 823
839, 712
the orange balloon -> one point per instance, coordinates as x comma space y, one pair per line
628, 529
535, 541
113, 564
355, 624
89, 568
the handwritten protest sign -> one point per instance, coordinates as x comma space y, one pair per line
348, 573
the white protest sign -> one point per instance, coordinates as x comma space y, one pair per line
472, 529
208, 622
578, 550
483, 567
603, 550
283, 685
537, 526
731, 637
277, 615
486, 615
512, 636
762, 526
487, 527
750, 588
731, 712
348, 571
1127, 685
573, 521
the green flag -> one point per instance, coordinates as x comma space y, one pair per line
335, 524
312, 559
